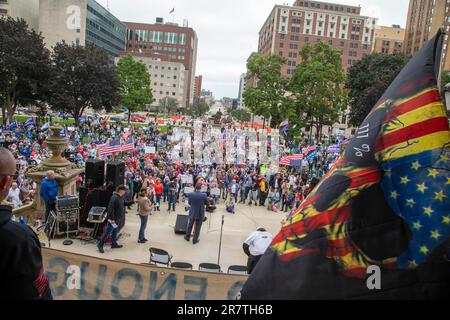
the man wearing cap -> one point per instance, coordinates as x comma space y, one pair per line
255, 246
116, 211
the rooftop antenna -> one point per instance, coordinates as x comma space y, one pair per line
108, 6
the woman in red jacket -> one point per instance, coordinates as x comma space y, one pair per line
159, 188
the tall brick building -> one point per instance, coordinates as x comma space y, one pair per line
198, 86
289, 28
166, 42
425, 17
389, 40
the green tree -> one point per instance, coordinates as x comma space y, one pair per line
83, 77
317, 87
267, 97
171, 105
24, 66
241, 115
368, 79
198, 111
134, 85
445, 79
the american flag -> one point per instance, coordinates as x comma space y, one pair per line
129, 147
288, 161
309, 149
109, 148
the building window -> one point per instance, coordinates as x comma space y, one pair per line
155, 36
171, 37
183, 38
281, 45
173, 93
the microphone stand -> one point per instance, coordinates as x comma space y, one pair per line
220, 242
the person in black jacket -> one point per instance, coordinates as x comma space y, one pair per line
116, 212
22, 275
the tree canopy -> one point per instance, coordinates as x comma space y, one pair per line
134, 84
200, 110
267, 98
82, 77
24, 66
317, 87
367, 81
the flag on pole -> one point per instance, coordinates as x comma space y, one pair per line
172, 11
284, 123
29, 122
292, 161
109, 148
128, 147
12, 126
380, 218
45, 126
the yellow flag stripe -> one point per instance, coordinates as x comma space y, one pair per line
429, 142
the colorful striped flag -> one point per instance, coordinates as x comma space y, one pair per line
383, 206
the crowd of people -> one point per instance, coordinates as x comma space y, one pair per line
155, 182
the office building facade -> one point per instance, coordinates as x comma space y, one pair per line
425, 17
167, 42
289, 28
25, 9
168, 79
242, 82
389, 40
198, 86
81, 22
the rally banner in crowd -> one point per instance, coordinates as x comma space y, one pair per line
78, 277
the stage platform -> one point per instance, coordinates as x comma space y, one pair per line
160, 233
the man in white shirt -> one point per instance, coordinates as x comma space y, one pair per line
14, 196
255, 246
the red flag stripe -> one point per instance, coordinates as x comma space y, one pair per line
363, 177
412, 132
309, 224
417, 102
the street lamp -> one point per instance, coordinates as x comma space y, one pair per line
447, 96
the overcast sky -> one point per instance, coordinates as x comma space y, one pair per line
228, 29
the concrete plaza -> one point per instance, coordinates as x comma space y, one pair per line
160, 233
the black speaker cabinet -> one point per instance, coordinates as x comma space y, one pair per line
88, 199
95, 173
115, 173
181, 224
